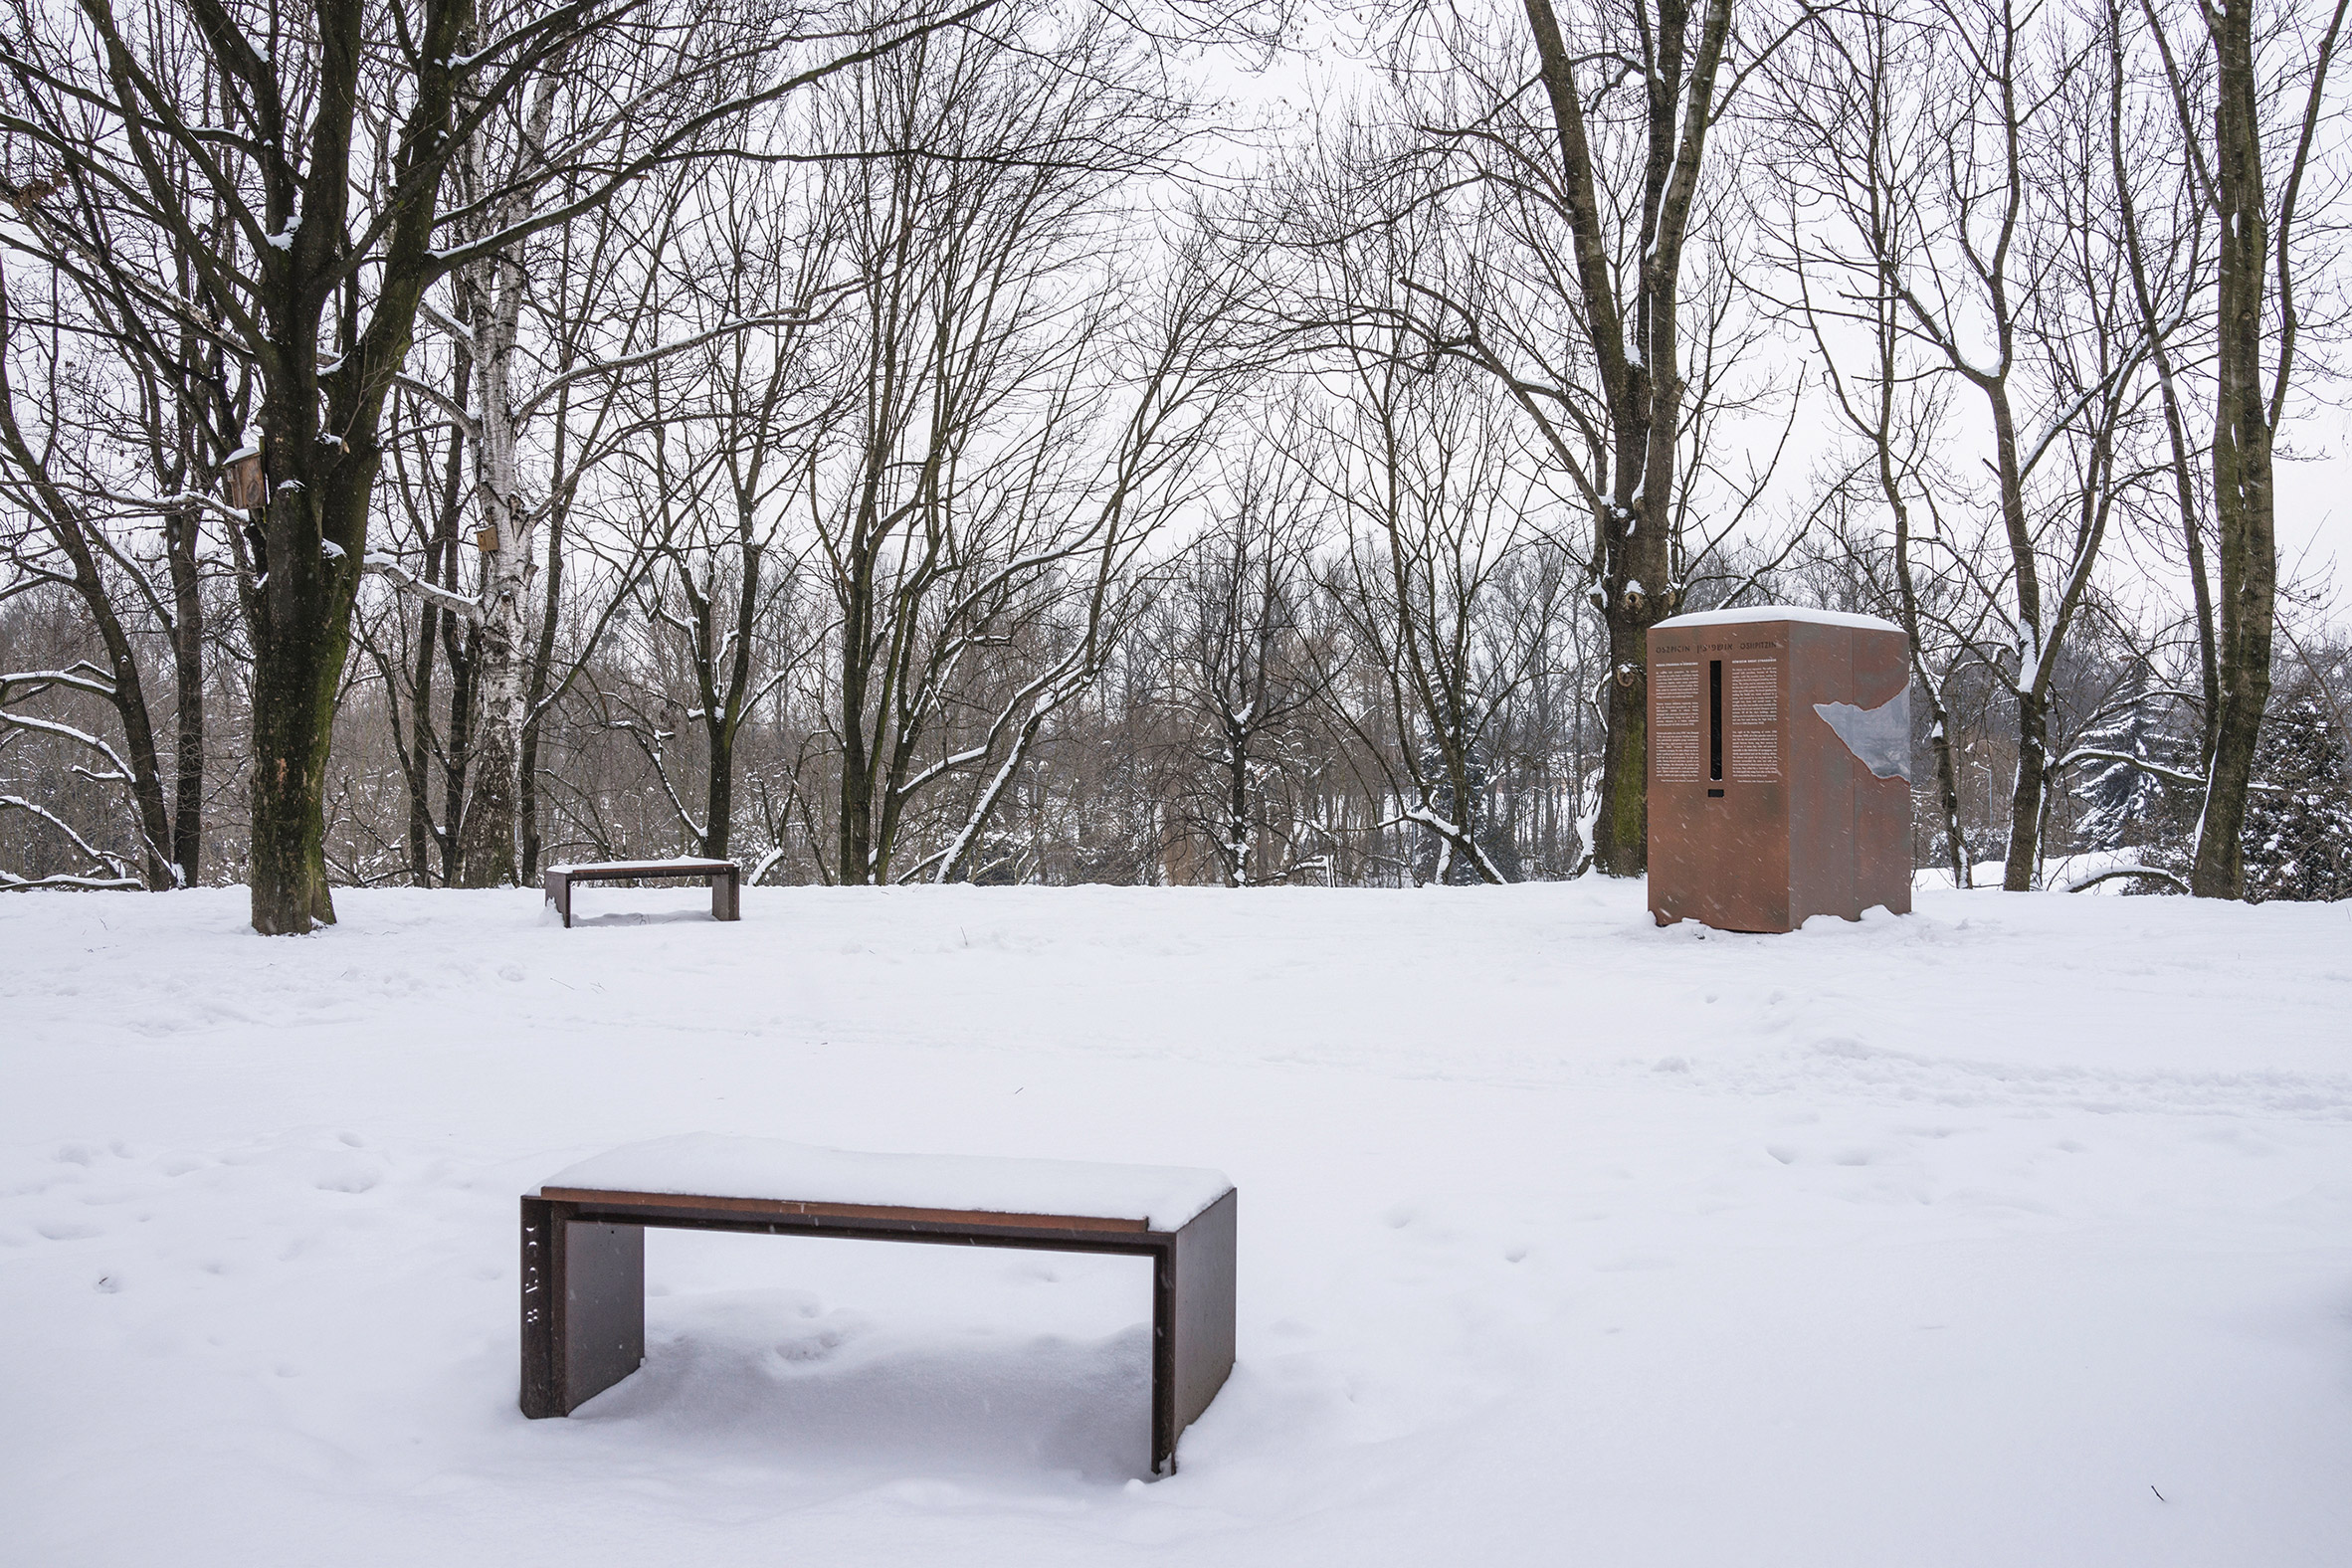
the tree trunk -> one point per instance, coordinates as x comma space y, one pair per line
420, 807
1947, 773
1947, 788
435, 625
2241, 482
526, 766
721, 798
1637, 591
2176, 433
1237, 803
526, 803
486, 856
294, 688
2025, 799
303, 638
486, 859
1621, 830
2031, 684
187, 648
723, 712
854, 833
486, 853
458, 744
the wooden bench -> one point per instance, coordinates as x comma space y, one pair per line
584, 1245
725, 878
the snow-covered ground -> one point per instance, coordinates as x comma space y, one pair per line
2018, 1230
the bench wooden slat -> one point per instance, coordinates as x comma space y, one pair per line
614, 870
597, 1198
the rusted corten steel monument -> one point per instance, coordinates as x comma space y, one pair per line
1780, 767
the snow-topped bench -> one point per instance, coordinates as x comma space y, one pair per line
584, 1245
726, 879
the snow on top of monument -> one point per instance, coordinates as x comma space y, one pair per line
1779, 612
708, 1165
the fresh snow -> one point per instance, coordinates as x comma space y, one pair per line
674, 862
1780, 612
705, 1164
2016, 1231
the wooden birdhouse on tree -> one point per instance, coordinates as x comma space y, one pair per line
248, 486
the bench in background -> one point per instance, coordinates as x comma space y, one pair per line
726, 879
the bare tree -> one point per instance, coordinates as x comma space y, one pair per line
2230, 109
754, 422
1243, 669
118, 507
1433, 489
1973, 229
1024, 413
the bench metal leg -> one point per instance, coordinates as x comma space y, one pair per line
727, 898
1192, 1326
559, 894
583, 1307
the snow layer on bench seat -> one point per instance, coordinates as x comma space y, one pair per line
708, 1165
677, 863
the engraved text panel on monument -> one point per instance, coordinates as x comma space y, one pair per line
1753, 711
1679, 739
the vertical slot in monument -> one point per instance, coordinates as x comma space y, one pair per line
1715, 720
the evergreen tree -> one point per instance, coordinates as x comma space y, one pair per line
2123, 804
2299, 822
1478, 815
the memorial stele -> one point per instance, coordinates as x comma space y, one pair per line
1780, 767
